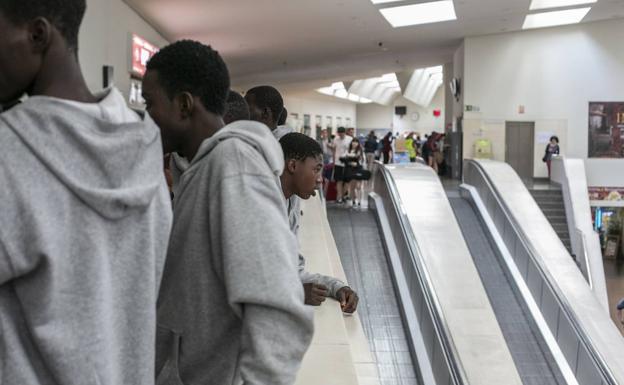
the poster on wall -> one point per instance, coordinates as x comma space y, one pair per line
606, 194
606, 130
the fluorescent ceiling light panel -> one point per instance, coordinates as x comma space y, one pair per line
544, 4
424, 13
551, 19
384, 1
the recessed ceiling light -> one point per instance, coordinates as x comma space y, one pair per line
551, 19
424, 13
543, 4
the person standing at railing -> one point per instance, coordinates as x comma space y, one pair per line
552, 148
301, 176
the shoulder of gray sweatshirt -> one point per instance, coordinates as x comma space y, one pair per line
294, 219
83, 235
231, 306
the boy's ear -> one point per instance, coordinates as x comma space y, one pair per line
291, 165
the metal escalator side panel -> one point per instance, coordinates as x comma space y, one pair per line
464, 321
588, 339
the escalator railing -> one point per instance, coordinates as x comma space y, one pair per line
590, 342
459, 352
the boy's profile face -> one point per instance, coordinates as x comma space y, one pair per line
20, 56
306, 174
163, 111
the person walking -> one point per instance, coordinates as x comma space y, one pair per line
386, 148
370, 146
552, 148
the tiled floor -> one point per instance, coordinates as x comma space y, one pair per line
363, 257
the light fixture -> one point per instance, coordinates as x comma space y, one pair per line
384, 1
423, 13
544, 4
552, 19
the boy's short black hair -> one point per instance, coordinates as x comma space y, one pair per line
268, 97
300, 147
64, 15
555, 138
283, 117
190, 66
236, 108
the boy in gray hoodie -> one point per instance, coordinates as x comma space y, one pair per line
230, 308
84, 213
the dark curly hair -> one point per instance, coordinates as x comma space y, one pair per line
64, 15
236, 108
300, 147
283, 117
267, 97
190, 66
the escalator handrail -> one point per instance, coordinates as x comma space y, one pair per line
597, 358
456, 370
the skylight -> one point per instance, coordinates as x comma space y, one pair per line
338, 90
544, 4
384, 1
551, 19
423, 13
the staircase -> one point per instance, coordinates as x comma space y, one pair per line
551, 203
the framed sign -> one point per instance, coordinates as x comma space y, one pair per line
606, 130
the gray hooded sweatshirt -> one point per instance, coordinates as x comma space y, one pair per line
230, 308
84, 225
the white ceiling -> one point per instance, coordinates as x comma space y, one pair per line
305, 44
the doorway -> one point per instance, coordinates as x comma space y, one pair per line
519, 147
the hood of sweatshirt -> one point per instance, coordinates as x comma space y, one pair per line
255, 134
103, 152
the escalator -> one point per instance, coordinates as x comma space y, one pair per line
363, 257
470, 288
531, 355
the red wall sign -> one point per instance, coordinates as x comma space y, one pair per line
142, 51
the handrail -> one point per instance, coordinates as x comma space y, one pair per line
598, 360
581, 235
456, 370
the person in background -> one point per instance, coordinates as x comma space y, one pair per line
429, 150
301, 176
231, 291
236, 108
85, 212
265, 106
370, 147
351, 132
620, 308
326, 147
386, 149
411, 147
552, 148
341, 148
353, 161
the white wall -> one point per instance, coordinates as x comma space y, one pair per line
313, 105
554, 73
104, 40
375, 116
